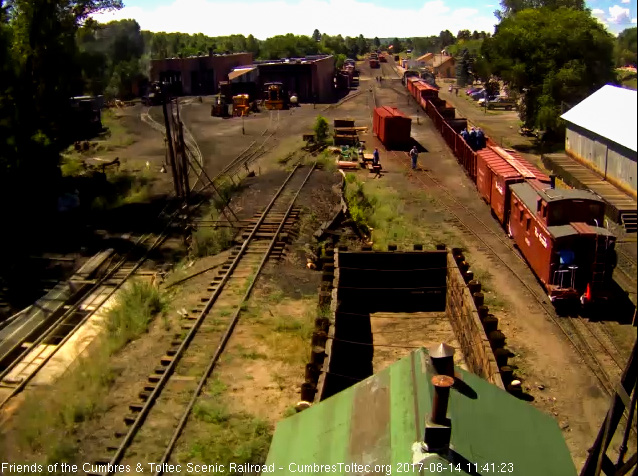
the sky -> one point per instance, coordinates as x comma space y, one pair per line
382, 18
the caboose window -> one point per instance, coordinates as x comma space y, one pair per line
520, 216
529, 221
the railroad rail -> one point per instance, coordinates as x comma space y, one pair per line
207, 323
498, 247
32, 353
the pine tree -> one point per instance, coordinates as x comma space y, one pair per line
463, 68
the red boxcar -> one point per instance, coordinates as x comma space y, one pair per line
496, 169
570, 257
391, 126
493, 177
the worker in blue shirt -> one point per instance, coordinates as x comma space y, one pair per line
480, 139
414, 154
465, 136
375, 157
472, 139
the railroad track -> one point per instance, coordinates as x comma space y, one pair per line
168, 396
577, 329
30, 355
579, 334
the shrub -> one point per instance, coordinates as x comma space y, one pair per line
321, 129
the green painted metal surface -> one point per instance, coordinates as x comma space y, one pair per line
370, 429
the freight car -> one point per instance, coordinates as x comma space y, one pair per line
391, 126
558, 232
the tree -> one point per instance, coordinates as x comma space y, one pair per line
463, 69
321, 129
316, 35
376, 42
625, 52
481, 69
464, 35
510, 7
363, 45
39, 73
397, 46
352, 47
252, 45
446, 38
553, 56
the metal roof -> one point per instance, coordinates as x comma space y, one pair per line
529, 195
556, 194
389, 111
498, 164
526, 193
376, 422
610, 113
425, 57
237, 72
561, 231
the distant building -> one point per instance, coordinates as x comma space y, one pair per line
197, 75
441, 65
422, 61
601, 134
310, 78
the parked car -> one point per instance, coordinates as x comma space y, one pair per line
490, 99
472, 90
502, 103
478, 94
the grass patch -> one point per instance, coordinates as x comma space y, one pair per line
224, 192
211, 240
361, 205
252, 355
383, 212
122, 188
48, 423
491, 298
117, 135
134, 311
288, 325
288, 337
235, 437
72, 164
327, 161
276, 296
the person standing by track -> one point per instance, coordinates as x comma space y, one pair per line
414, 155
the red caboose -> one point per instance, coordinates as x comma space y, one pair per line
559, 233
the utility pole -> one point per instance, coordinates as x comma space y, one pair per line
184, 158
169, 143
